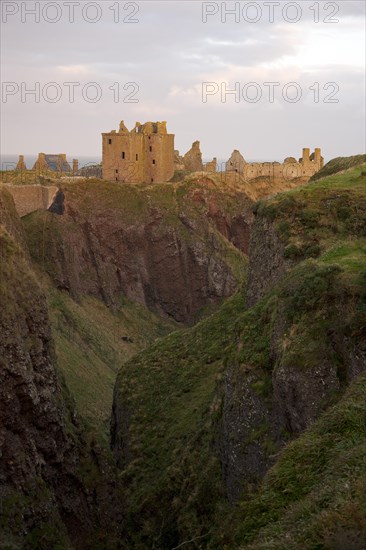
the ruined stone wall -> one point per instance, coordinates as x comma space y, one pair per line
54, 162
307, 166
192, 160
29, 198
211, 166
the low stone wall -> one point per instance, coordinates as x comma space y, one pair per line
29, 198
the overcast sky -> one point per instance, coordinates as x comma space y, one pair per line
169, 53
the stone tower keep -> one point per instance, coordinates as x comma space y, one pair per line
142, 155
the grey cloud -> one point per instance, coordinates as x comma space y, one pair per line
171, 48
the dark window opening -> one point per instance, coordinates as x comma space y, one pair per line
150, 148
137, 157
152, 180
116, 179
123, 154
110, 142
153, 161
116, 171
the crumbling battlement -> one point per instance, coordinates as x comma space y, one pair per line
291, 168
143, 155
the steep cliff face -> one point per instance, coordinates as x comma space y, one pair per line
222, 399
155, 245
46, 495
314, 496
298, 349
267, 260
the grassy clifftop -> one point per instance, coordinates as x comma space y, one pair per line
339, 164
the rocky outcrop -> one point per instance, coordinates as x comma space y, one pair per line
192, 160
90, 171
170, 258
245, 416
267, 404
46, 497
267, 263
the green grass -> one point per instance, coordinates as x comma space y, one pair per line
351, 255
314, 218
171, 389
339, 164
92, 343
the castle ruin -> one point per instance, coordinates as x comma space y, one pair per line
52, 162
306, 166
143, 155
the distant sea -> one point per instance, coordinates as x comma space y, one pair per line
9, 162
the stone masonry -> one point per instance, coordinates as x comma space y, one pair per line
142, 155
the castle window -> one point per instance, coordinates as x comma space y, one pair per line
153, 161
137, 157
123, 154
117, 171
152, 180
150, 148
110, 142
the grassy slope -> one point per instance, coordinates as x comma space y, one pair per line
91, 345
324, 218
339, 164
174, 478
171, 389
